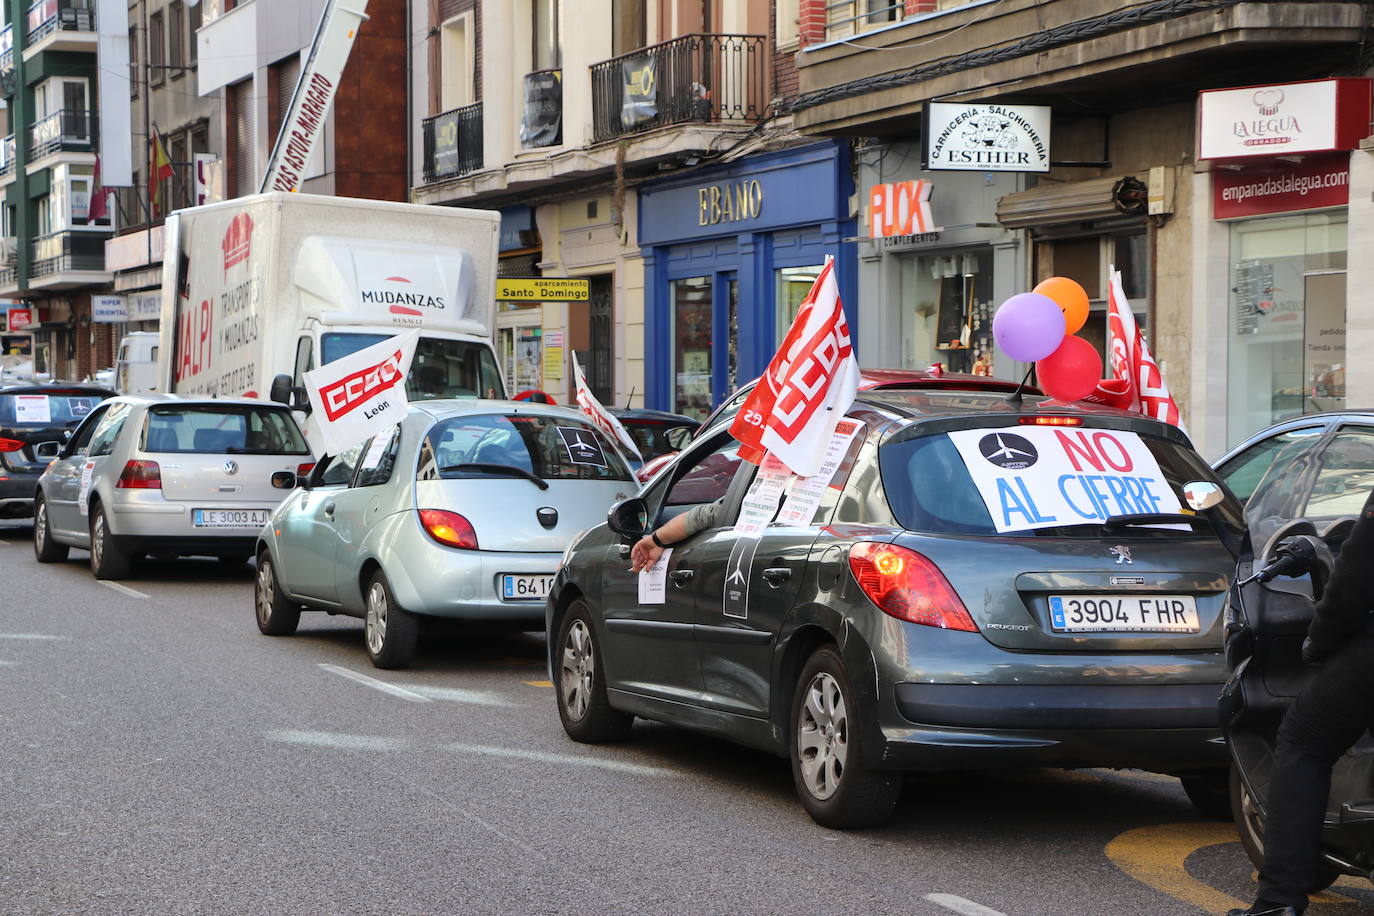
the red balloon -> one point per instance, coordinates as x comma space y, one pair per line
1071, 372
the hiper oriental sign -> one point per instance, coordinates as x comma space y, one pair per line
1041, 477
987, 138
1282, 119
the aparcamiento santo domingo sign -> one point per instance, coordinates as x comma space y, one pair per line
987, 138
543, 289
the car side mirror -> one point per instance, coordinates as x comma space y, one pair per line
281, 389
629, 518
1202, 495
679, 436
300, 400
285, 480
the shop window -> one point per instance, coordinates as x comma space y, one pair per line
691, 304
946, 310
793, 283
1286, 335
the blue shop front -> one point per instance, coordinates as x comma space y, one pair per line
729, 253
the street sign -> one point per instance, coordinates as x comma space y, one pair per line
543, 289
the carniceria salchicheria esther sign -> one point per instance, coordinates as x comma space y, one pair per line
987, 138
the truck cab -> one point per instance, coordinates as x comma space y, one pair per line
136, 363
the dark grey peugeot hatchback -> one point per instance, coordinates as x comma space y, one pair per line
970, 582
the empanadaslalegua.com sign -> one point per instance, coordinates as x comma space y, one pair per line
987, 138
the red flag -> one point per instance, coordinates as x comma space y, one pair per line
808, 386
599, 415
159, 167
1132, 361
99, 206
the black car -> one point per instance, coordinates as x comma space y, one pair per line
982, 582
656, 432
35, 421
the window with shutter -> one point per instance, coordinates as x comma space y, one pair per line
240, 141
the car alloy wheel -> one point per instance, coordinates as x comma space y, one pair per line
265, 585
376, 619
45, 549
98, 539
823, 736
578, 672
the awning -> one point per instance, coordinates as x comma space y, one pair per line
1073, 202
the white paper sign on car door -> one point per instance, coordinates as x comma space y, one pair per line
32, 408
761, 500
653, 580
87, 475
1039, 477
805, 495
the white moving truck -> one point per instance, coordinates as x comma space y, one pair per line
135, 369
261, 289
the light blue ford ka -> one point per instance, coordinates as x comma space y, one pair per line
461, 511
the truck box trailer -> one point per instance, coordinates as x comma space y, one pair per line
280, 283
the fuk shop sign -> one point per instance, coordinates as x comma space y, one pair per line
1036, 477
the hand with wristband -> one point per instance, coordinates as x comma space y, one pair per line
649, 548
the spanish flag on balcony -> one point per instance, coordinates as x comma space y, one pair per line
159, 167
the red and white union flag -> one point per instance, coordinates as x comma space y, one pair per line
1132, 364
599, 414
361, 394
810, 383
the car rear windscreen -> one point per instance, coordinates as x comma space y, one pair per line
1083, 478
45, 409
231, 429
495, 445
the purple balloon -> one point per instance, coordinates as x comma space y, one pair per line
1028, 327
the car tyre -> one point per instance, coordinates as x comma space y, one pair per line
389, 630
1210, 793
1251, 829
107, 560
583, 707
829, 766
277, 615
45, 549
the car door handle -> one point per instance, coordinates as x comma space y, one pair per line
681, 576
329, 510
777, 575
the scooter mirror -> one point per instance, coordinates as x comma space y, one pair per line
1202, 494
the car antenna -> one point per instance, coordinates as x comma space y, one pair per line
630, 398
1014, 398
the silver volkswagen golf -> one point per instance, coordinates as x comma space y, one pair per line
159, 474
461, 511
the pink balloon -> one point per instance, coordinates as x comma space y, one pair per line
1028, 327
1071, 372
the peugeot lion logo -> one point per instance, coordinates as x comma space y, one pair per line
1007, 450
231, 467
1122, 554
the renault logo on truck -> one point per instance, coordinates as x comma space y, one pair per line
402, 301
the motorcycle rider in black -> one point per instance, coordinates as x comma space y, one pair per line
1328, 717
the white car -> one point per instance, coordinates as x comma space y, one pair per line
158, 474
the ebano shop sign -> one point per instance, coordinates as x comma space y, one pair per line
1309, 117
1319, 181
987, 138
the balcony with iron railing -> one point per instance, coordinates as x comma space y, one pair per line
7, 158
65, 252
703, 79
7, 74
453, 143
68, 130
48, 18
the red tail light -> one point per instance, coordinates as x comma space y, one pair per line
304, 468
140, 475
903, 583
10, 445
449, 528
1051, 421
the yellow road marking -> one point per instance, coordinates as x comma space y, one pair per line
1155, 857
538, 683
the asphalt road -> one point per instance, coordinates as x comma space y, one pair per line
161, 756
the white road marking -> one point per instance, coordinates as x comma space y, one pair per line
560, 759
960, 905
124, 589
337, 740
30, 636
375, 684
459, 695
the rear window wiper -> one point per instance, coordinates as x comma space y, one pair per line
508, 469
1153, 518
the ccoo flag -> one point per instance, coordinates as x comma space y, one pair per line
808, 386
1143, 390
599, 414
361, 394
